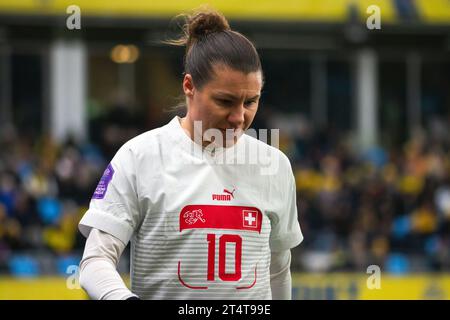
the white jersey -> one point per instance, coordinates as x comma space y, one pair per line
202, 222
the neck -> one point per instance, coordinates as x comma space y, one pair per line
188, 126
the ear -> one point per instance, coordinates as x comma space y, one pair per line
188, 85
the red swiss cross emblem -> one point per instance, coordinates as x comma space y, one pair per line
250, 218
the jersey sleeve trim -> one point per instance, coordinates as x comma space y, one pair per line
287, 240
98, 219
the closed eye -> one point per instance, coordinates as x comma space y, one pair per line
224, 102
229, 103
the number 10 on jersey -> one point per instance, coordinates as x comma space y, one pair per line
223, 240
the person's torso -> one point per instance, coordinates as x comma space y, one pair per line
205, 228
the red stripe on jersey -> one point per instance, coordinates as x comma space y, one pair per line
220, 217
250, 286
184, 283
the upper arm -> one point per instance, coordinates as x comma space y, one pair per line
280, 261
114, 207
286, 232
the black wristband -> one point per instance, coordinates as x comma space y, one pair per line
133, 298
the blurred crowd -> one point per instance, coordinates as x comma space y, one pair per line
388, 206
45, 188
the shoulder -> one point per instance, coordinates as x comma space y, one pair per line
268, 152
144, 143
140, 153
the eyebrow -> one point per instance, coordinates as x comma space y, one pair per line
230, 96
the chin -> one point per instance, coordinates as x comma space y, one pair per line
230, 143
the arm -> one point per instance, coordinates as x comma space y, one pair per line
98, 274
280, 275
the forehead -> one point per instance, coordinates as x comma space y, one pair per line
227, 80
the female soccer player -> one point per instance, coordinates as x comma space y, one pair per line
205, 220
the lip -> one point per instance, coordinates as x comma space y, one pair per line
234, 134
231, 129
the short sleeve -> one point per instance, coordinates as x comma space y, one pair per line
286, 232
114, 205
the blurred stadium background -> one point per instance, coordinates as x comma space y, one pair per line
363, 114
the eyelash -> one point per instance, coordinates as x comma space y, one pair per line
224, 102
229, 102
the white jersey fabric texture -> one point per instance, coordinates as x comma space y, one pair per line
100, 279
202, 222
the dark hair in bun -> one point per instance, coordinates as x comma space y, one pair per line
204, 23
209, 41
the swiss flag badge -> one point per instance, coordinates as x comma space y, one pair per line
250, 218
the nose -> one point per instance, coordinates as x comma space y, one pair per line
236, 116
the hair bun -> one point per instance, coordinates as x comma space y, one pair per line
203, 23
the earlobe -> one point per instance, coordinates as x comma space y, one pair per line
189, 92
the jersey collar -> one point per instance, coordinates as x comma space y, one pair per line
183, 138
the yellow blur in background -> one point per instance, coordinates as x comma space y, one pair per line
42, 288
339, 286
356, 287
432, 11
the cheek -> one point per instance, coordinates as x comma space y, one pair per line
250, 115
198, 108
201, 110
